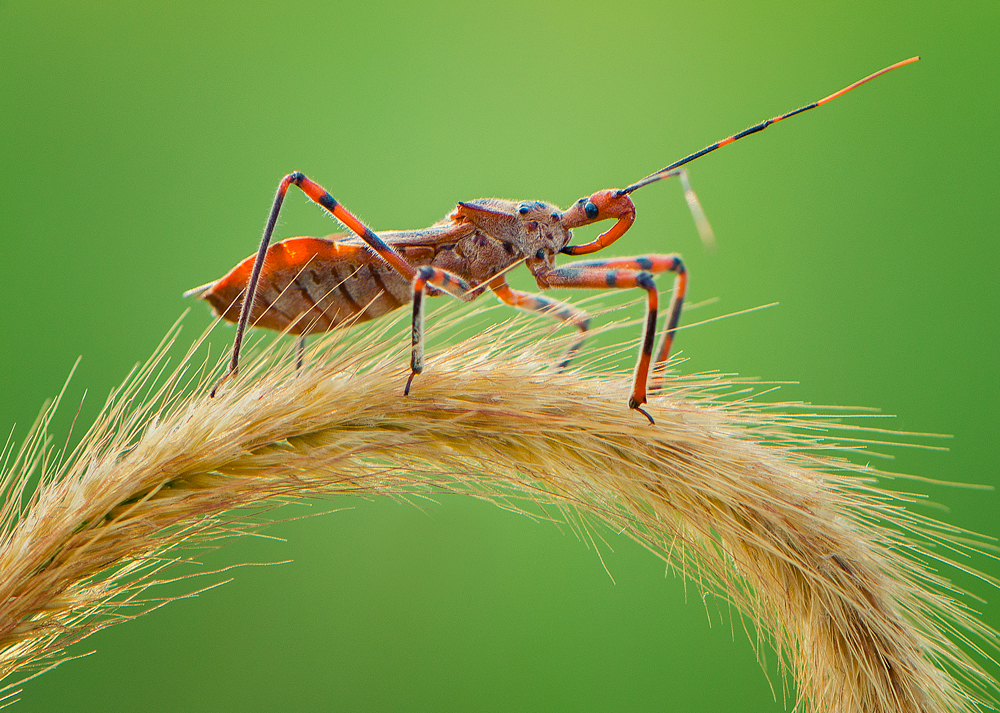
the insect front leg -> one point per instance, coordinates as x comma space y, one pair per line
318, 195
443, 280
615, 204
547, 306
624, 273
655, 264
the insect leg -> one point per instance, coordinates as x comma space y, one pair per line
300, 351
441, 279
603, 205
623, 273
318, 195
654, 264
615, 204
549, 307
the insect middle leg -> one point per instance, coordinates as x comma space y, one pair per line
541, 304
624, 273
443, 280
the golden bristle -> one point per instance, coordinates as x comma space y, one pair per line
748, 500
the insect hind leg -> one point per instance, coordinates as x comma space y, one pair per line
320, 196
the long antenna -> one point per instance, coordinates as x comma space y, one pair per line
661, 174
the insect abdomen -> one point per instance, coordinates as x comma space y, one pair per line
311, 285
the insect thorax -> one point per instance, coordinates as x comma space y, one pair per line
508, 231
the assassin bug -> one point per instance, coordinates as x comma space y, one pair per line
308, 285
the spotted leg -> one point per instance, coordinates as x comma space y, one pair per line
624, 273
549, 307
319, 195
443, 280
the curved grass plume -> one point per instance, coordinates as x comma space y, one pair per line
745, 499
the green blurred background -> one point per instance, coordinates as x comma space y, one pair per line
141, 145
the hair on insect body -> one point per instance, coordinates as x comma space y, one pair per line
309, 285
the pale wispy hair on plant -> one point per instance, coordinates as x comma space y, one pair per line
749, 500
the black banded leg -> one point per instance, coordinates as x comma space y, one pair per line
318, 195
603, 278
623, 273
670, 328
655, 264
549, 307
300, 351
443, 280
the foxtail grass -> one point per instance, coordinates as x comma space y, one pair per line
746, 499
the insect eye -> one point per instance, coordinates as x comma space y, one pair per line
523, 210
540, 255
590, 209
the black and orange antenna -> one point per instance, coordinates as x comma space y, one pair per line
665, 171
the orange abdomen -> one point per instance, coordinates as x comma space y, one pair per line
311, 285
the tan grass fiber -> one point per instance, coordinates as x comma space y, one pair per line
743, 498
